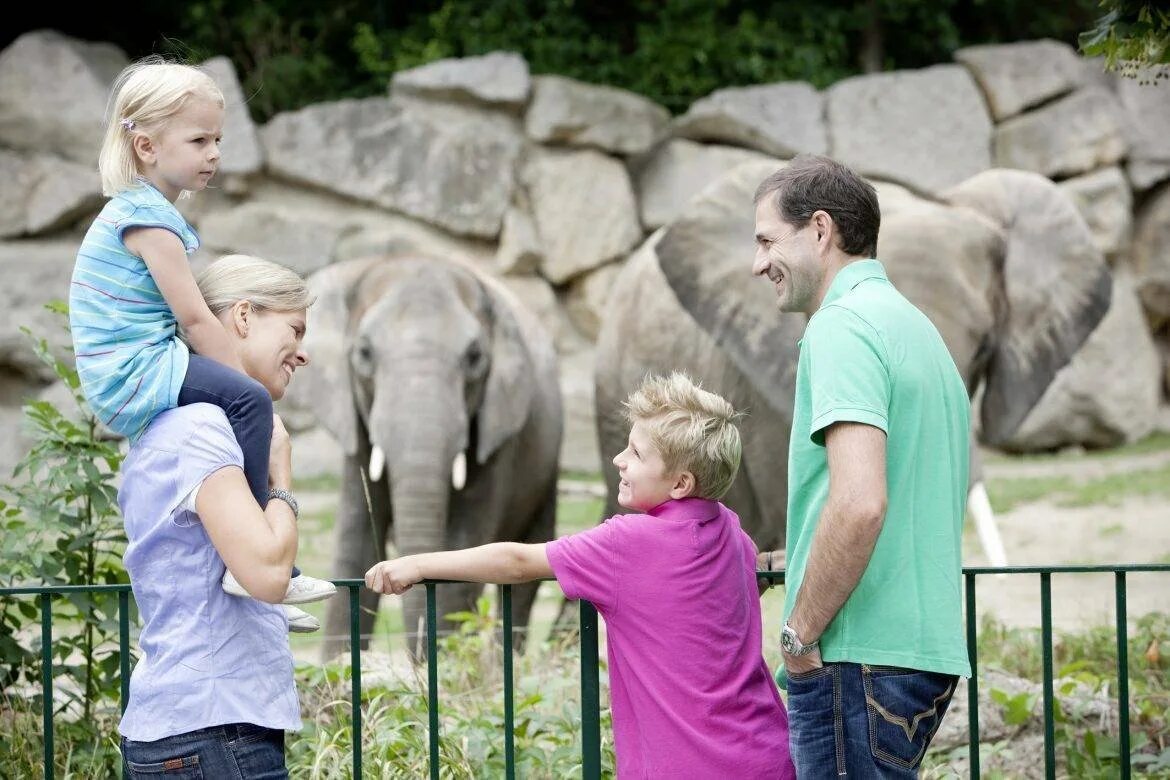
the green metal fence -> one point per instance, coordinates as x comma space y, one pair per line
590, 684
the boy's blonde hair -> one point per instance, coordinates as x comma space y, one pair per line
266, 285
145, 95
693, 429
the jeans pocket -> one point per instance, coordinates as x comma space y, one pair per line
178, 768
904, 708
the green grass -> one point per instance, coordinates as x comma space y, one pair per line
1155, 442
321, 483
1110, 489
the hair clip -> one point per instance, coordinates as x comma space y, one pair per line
127, 124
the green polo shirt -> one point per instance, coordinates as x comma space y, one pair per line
870, 356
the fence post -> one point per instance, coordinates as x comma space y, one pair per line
973, 683
433, 679
1049, 697
1122, 674
590, 695
47, 679
355, 675
509, 713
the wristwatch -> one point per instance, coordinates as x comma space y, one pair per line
792, 644
287, 498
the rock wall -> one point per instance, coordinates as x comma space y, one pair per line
551, 183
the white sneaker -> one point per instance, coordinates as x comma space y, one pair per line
301, 589
300, 622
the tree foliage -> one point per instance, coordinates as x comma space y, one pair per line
1132, 37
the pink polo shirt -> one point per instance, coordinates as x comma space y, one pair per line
691, 694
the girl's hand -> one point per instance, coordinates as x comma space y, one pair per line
280, 456
396, 576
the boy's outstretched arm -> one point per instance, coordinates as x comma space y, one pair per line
503, 563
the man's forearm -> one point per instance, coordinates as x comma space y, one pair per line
841, 549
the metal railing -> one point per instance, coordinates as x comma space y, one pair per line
590, 680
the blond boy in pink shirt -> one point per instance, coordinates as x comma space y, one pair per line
691, 694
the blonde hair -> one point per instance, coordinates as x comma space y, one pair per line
693, 429
145, 95
267, 286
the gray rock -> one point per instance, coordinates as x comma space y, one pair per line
1146, 123
447, 165
35, 272
1073, 135
240, 151
538, 296
781, 119
42, 193
585, 302
678, 170
1151, 257
53, 92
927, 129
520, 251
584, 210
565, 111
298, 238
498, 78
1016, 76
579, 450
1104, 199
1108, 394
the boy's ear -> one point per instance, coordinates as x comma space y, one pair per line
684, 485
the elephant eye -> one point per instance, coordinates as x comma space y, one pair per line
474, 359
363, 358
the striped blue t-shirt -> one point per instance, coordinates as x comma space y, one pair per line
130, 359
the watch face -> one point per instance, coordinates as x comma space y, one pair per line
787, 640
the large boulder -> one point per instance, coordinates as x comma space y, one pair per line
449, 165
678, 170
35, 272
585, 301
53, 92
927, 129
1105, 201
1109, 393
496, 79
303, 239
579, 450
584, 209
520, 250
42, 193
565, 111
241, 152
1073, 135
1146, 99
1017, 76
1151, 257
781, 119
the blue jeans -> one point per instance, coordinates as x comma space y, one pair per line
858, 720
239, 750
248, 407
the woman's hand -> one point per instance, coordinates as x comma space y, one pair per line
396, 576
280, 456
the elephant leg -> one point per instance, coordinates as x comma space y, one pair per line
524, 594
359, 543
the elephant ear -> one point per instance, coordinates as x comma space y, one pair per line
508, 392
1056, 286
325, 386
706, 256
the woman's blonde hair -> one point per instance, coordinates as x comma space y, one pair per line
266, 285
145, 96
692, 429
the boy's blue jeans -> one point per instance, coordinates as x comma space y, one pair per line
235, 750
858, 720
248, 407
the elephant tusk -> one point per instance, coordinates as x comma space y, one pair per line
377, 463
459, 471
979, 505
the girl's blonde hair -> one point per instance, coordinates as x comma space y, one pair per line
144, 97
692, 429
266, 285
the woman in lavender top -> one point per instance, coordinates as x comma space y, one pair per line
213, 693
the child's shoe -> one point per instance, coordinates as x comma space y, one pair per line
301, 622
301, 589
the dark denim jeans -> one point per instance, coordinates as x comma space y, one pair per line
238, 751
857, 720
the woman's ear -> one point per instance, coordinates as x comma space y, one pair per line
684, 485
241, 314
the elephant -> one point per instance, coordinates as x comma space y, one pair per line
1002, 265
442, 390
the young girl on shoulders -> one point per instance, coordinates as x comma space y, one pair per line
676, 583
143, 337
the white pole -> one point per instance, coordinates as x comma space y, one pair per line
979, 505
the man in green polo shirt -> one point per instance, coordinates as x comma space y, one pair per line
877, 467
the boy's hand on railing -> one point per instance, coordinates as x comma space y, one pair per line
396, 576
